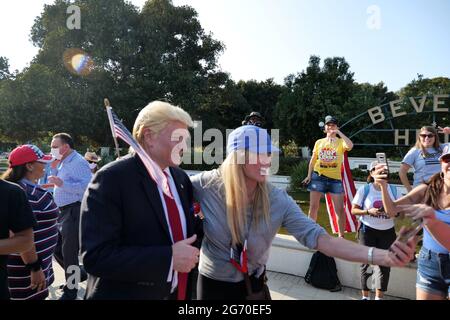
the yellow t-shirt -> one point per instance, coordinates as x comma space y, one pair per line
330, 155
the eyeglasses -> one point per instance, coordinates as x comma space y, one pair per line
423, 136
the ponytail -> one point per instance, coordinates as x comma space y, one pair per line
435, 185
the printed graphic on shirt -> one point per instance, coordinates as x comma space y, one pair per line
378, 204
431, 158
328, 157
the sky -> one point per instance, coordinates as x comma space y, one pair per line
389, 41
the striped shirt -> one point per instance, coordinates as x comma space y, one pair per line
75, 173
45, 238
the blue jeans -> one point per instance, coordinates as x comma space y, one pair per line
433, 272
324, 184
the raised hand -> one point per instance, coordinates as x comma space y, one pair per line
380, 175
445, 130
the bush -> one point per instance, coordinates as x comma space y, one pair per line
298, 174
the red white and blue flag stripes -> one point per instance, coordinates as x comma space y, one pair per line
349, 192
120, 131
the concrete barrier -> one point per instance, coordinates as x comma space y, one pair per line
290, 257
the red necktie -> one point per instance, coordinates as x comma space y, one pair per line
177, 234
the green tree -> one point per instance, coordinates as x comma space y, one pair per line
161, 52
262, 97
4, 69
310, 96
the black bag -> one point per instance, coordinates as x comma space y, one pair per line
322, 273
263, 294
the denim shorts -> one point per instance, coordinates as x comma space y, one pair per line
433, 272
325, 185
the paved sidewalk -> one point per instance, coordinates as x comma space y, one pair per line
282, 287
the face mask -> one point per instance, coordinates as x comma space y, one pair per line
92, 166
55, 153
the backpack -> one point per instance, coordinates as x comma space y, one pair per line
367, 190
322, 272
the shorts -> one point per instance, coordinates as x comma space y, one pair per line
324, 184
433, 272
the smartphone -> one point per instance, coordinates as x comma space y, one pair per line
412, 230
381, 159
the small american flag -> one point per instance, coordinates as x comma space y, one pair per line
120, 131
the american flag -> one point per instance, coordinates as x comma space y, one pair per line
120, 131
349, 193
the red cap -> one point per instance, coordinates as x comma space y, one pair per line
27, 153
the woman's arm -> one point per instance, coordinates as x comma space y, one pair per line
439, 230
347, 141
397, 256
19, 242
390, 206
38, 280
403, 173
357, 210
311, 165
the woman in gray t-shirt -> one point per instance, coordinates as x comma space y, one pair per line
242, 214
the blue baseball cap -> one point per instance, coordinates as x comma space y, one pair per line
251, 138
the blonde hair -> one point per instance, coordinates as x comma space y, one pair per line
233, 178
156, 116
436, 144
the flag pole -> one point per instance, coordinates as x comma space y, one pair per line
111, 124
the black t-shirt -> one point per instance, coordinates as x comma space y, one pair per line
15, 215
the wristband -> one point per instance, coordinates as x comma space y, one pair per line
35, 266
370, 256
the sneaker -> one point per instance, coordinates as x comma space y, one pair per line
365, 298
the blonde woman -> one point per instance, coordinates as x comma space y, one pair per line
242, 214
423, 157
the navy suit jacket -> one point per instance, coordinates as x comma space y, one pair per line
125, 241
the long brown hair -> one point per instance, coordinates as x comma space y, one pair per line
15, 174
433, 192
436, 143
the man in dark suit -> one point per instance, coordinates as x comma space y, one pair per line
136, 242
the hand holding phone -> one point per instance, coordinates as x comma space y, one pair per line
411, 231
381, 159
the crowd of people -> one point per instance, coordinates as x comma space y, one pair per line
141, 240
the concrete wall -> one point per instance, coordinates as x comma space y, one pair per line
288, 256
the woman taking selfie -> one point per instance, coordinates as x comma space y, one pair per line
376, 229
243, 213
424, 201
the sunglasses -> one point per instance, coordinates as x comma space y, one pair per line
90, 161
423, 136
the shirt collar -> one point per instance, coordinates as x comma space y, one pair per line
69, 157
26, 181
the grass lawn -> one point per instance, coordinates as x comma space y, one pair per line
322, 217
